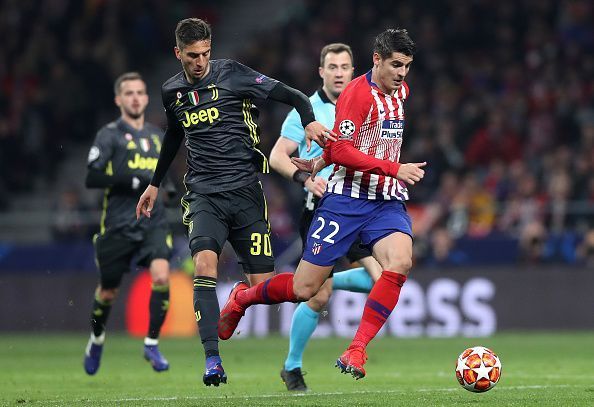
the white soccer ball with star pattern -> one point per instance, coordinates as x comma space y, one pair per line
478, 369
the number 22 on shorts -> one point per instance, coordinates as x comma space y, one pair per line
335, 227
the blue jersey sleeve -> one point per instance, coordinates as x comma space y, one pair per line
292, 128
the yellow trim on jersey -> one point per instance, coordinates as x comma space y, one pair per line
184, 181
249, 121
187, 222
265, 166
109, 168
104, 210
265, 209
108, 171
157, 142
95, 236
186, 207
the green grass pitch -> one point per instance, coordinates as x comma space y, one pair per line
539, 369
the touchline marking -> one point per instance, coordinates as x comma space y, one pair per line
332, 393
288, 395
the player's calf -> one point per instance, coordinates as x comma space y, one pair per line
232, 312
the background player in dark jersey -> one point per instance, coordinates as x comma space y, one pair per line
336, 70
210, 103
122, 161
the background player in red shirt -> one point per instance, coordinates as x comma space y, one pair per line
365, 198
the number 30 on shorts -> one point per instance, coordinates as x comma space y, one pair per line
332, 225
261, 243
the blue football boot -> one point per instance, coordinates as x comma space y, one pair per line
214, 374
157, 360
92, 357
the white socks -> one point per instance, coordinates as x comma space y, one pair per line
150, 341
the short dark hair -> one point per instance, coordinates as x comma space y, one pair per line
335, 48
190, 30
394, 40
128, 76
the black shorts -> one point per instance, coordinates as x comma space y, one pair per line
114, 253
239, 216
356, 251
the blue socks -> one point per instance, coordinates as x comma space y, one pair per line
355, 280
305, 320
304, 323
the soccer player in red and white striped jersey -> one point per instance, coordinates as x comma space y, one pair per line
364, 198
372, 122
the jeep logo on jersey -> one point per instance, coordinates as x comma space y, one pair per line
142, 163
193, 96
346, 129
201, 116
392, 129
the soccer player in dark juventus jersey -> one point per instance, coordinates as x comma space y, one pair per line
210, 103
121, 161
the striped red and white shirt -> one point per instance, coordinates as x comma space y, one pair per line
373, 122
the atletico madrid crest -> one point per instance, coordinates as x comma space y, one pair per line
193, 96
317, 248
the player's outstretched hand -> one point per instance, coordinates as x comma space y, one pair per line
411, 172
147, 201
317, 132
313, 165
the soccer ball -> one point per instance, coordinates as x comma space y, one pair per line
478, 369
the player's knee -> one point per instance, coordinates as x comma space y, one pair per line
107, 295
204, 269
161, 279
303, 292
160, 272
400, 264
319, 301
205, 264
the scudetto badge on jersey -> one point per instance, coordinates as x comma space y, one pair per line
346, 129
193, 96
392, 129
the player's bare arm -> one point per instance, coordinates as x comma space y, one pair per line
410, 173
280, 161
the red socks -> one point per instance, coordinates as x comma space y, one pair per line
272, 291
380, 303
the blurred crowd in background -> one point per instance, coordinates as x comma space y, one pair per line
501, 108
